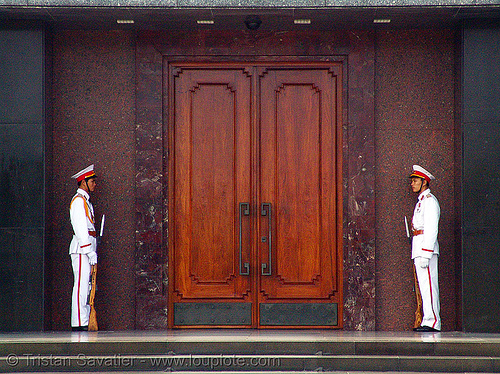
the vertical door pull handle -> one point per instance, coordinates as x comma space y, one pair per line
244, 211
265, 210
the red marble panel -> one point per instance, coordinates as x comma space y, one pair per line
415, 124
93, 114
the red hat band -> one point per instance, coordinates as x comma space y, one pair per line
86, 175
421, 175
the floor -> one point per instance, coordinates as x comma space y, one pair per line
189, 338
223, 335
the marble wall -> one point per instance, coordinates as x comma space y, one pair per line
93, 122
415, 124
108, 110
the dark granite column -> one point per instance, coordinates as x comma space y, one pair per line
359, 181
151, 187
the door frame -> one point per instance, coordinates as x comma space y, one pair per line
357, 49
168, 98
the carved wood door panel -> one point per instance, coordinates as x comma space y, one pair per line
255, 212
299, 165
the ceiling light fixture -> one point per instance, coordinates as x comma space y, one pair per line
125, 21
381, 20
302, 21
205, 22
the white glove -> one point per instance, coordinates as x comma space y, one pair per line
92, 257
422, 262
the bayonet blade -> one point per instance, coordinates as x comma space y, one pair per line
102, 224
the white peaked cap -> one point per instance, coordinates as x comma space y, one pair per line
420, 172
85, 173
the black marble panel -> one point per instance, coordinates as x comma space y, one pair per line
212, 314
481, 179
21, 176
22, 179
21, 279
298, 314
481, 75
21, 76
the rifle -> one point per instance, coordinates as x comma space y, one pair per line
93, 314
418, 312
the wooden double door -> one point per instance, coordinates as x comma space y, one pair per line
255, 194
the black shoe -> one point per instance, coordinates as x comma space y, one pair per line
80, 328
425, 329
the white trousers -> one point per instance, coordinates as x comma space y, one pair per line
80, 310
428, 283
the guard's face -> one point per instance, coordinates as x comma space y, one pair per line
416, 184
92, 183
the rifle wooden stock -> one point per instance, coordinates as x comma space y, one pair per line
418, 312
93, 314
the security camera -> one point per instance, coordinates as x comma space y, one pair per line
253, 22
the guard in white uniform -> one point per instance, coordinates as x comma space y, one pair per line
83, 246
425, 248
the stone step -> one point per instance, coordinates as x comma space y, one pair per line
249, 352
341, 347
244, 363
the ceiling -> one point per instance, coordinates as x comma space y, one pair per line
327, 18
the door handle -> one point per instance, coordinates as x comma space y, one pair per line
266, 267
244, 211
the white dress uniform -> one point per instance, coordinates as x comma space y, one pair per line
82, 250
425, 247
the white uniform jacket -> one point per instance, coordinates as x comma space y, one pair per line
81, 214
425, 225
